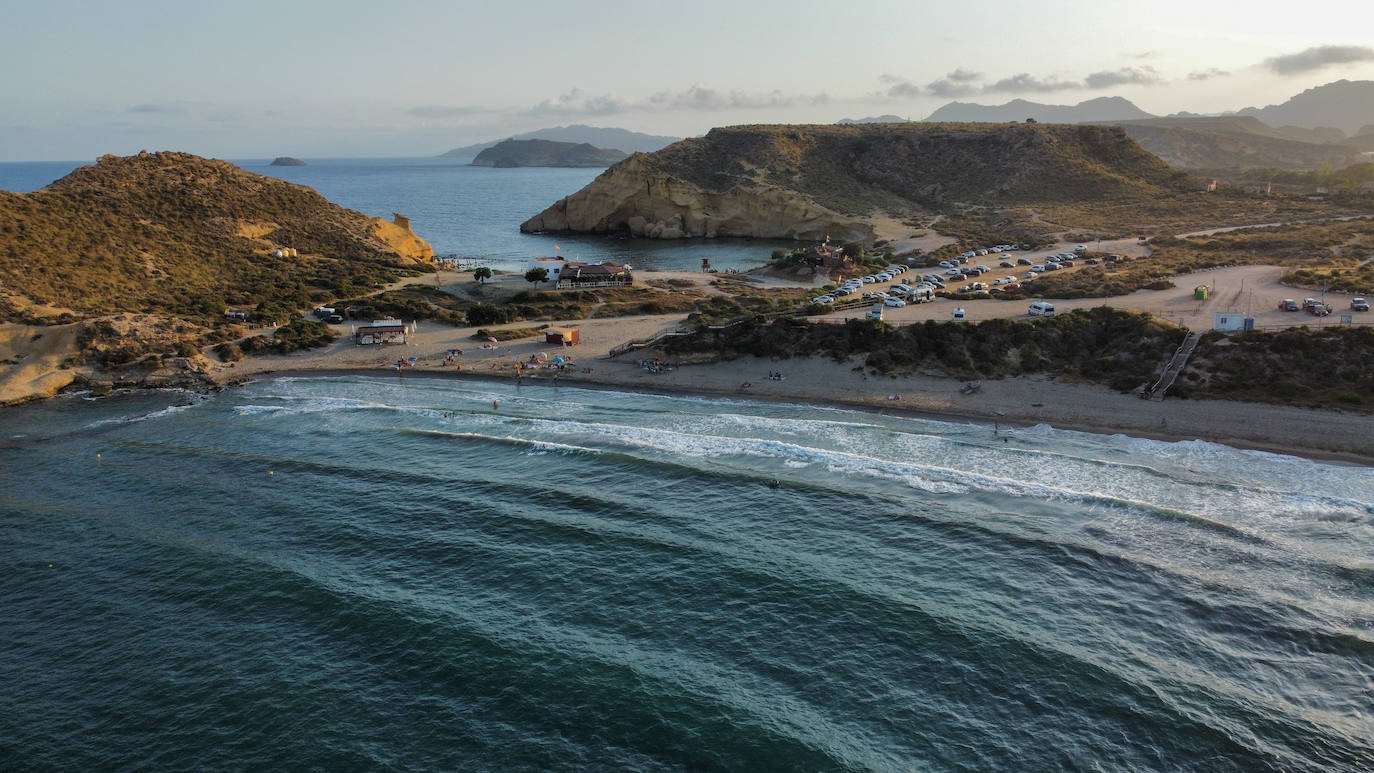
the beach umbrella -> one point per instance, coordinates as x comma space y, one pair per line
413, 359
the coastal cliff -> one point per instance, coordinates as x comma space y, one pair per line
806, 182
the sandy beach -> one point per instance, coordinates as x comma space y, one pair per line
1015, 401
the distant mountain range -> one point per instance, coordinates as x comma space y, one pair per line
873, 119
600, 137
1017, 110
1344, 105
1305, 132
513, 153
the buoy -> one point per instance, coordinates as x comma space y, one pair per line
495, 404
270, 473
97, 456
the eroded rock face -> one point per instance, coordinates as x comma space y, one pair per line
630, 198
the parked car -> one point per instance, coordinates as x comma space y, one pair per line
1037, 268
1006, 264
895, 303
1023, 261
1080, 249
1288, 304
824, 299
1359, 304
983, 268
946, 264
1066, 264
1091, 261
868, 280
1318, 311
1053, 266
1041, 309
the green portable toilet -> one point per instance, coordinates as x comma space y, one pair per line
1200, 293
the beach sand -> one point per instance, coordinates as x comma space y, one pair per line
1014, 401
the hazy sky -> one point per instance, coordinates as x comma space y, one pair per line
252, 79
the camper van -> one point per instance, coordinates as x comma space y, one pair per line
1041, 309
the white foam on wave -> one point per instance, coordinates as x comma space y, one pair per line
170, 410
307, 404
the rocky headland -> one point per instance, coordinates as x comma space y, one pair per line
813, 181
122, 272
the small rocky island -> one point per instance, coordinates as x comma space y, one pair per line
515, 153
287, 161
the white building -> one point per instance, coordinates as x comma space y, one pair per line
1228, 321
553, 265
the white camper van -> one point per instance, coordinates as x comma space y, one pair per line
1041, 309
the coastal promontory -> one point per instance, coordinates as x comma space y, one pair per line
123, 271
516, 153
813, 181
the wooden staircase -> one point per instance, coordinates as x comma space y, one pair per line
1174, 368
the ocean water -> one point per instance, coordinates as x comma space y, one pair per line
472, 212
373, 572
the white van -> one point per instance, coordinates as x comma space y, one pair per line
959, 315
1041, 309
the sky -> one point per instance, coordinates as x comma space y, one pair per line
347, 78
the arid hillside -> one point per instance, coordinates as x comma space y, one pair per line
810, 181
174, 234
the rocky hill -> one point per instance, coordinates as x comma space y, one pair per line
807, 182
286, 161
1235, 143
515, 153
181, 236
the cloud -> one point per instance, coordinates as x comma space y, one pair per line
1207, 74
1139, 76
1318, 57
1146, 55
1025, 83
959, 83
150, 108
443, 111
698, 98
944, 87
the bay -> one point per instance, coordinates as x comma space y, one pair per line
362, 572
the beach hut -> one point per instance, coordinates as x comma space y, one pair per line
383, 331
562, 336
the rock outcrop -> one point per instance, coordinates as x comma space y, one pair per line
286, 161
809, 182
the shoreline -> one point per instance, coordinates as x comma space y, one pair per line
1169, 433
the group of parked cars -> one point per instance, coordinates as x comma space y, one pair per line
896, 296
1317, 308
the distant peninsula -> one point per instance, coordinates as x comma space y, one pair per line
601, 137
516, 153
287, 161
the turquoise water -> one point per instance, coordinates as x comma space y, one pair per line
339, 573
473, 212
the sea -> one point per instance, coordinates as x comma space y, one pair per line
470, 212
384, 572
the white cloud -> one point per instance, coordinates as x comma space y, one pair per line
1318, 57
1207, 74
1138, 76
